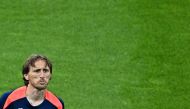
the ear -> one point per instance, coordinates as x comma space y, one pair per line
26, 76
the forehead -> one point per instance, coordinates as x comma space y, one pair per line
40, 63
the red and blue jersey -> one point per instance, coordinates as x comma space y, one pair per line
17, 100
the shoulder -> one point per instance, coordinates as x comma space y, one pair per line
3, 98
56, 101
5, 95
62, 102
9, 97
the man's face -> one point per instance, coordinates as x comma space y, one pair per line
39, 75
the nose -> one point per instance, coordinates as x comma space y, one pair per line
42, 75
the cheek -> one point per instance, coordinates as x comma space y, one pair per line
33, 77
48, 77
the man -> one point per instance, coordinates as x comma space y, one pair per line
37, 71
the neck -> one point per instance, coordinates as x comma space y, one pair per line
34, 96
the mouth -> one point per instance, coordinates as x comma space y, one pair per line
42, 82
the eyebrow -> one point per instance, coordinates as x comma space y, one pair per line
35, 68
41, 68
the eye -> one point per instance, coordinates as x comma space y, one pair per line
45, 70
37, 70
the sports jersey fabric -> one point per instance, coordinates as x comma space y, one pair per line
16, 99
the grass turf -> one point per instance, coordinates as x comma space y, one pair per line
113, 54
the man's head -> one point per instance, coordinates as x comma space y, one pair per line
37, 71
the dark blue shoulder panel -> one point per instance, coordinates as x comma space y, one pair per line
3, 99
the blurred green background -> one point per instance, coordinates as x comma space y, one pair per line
106, 54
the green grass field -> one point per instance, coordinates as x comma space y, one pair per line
106, 54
